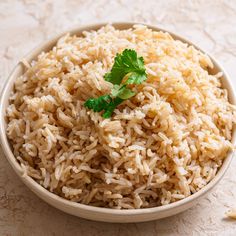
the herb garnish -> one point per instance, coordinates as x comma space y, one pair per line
127, 69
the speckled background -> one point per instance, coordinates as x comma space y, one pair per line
24, 24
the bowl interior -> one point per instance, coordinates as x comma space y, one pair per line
97, 213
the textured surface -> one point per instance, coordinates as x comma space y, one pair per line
26, 23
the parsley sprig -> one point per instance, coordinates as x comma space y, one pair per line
127, 69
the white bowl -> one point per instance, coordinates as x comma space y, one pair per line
98, 213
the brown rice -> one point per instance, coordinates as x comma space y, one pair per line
160, 146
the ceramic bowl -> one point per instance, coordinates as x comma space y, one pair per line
98, 213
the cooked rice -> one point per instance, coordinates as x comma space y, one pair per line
160, 146
231, 213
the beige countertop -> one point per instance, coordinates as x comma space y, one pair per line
26, 23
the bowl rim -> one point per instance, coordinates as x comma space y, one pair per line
36, 187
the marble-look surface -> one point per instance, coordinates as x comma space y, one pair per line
26, 23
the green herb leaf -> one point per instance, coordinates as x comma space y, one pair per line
116, 89
122, 92
111, 107
126, 62
103, 103
98, 104
136, 78
128, 69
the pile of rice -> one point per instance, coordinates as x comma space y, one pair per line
160, 146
